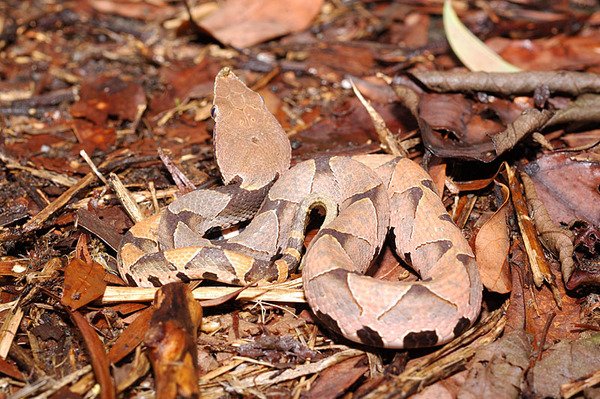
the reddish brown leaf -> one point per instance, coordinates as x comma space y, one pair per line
97, 355
108, 95
243, 23
10, 370
92, 137
491, 249
338, 378
83, 283
542, 304
132, 336
555, 52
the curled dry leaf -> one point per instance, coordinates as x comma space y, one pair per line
471, 51
554, 238
243, 23
585, 108
491, 248
497, 370
98, 357
527, 123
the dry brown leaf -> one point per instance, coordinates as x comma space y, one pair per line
568, 187
491, 248
243, 23
563, 363
83, 283
498, 370
540, 304
554, 238
531, 120
338, 378
132, 336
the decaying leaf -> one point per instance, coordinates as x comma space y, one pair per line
567, 187
565, 362
338, 378
132, 336
528, 122
491, 248
554, 238
497, 370
97, 354
468, 48
243, 23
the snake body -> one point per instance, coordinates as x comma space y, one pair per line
364, 198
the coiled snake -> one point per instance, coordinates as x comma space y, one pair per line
364, 199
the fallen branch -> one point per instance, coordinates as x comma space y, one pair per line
574, 83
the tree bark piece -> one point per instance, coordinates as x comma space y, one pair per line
171, 340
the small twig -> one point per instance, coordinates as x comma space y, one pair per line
125, 197
152, 190
571, 389
535, 253
10, 326
92, 166
183, 183
66, 380
271, 293
386, 138
540, 349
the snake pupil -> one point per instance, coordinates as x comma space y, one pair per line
213, 112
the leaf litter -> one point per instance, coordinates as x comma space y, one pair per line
122, 80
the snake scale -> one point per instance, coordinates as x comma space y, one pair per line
364, 198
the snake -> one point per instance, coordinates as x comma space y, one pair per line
365, 200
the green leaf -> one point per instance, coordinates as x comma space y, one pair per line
471, 51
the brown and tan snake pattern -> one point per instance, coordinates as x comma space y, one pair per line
365, 198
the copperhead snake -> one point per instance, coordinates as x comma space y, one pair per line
364, 198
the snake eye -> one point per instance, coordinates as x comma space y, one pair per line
213, 112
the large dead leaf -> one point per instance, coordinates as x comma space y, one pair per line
551, 53
497, 370
563, 363
243, 23
491, 249
471, 51
567, 187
